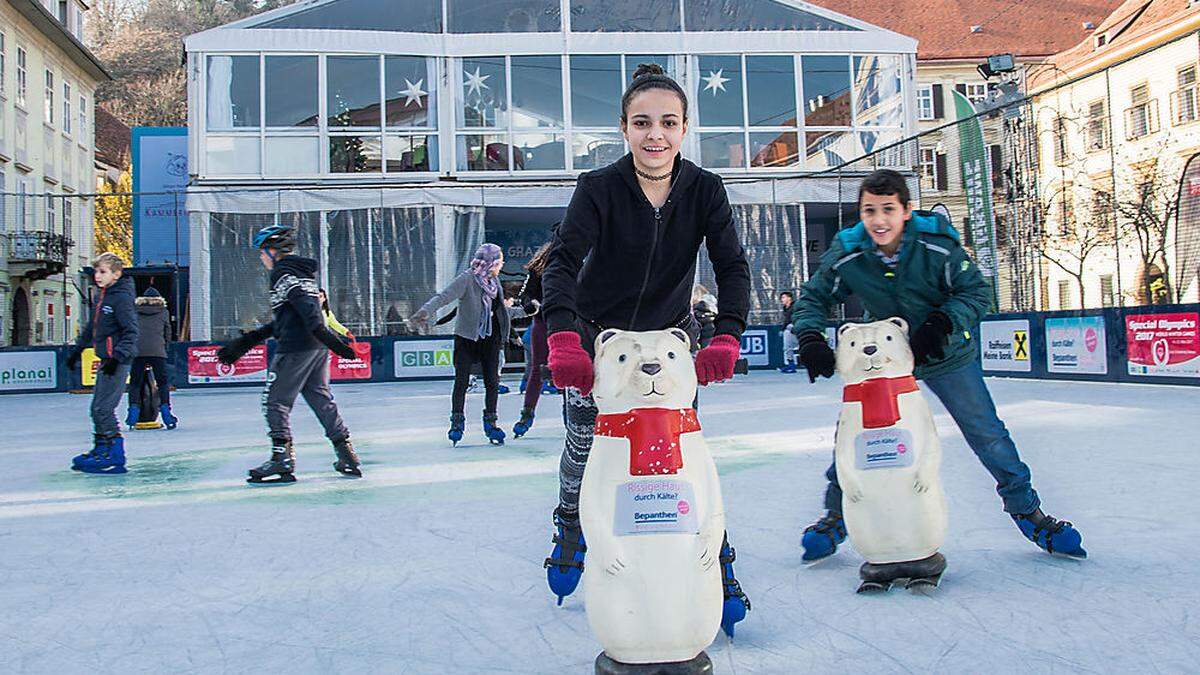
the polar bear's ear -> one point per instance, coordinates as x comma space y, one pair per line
845, 327
604, 337
899, 322
681, 335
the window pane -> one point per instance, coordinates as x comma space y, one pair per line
290, 156
592, 151
595, 91
722, 150
771, 90
504, 16
232, 92
410, 16
355, 154
771, 148
624, 16
352, 84
537, 96
411, 91
484, 94
877, 91
720, 91
539, 152
826, 90
291, 91
829, 148
883, 143
722, 15
410, 153
482, 153
232, 155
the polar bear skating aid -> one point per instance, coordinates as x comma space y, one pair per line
888, 458
650, 507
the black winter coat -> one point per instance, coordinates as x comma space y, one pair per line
295, 304
154, 327
621, 263
113, 330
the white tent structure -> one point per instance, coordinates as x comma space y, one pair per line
399, 134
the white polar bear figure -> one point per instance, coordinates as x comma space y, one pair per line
887, 452
650, 504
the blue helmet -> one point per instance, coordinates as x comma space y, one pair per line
279, 237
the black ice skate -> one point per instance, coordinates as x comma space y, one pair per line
918, 574
347, 461
280, 468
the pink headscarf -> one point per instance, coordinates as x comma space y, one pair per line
481, 266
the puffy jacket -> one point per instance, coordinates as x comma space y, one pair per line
295, 305
621, 263
934, 272
113, 330
154, 326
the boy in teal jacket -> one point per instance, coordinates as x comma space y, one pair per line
906, 263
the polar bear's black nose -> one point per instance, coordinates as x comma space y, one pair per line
651, 368
870, 349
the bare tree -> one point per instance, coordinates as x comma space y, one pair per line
1145, 210
1074, 223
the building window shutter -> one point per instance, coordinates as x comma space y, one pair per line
961, 88
939, 104
940, 180
997, 166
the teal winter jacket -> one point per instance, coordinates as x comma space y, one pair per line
934, 272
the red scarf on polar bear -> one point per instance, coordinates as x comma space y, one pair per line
878, 398
653, 435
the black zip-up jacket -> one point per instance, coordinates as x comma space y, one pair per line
113, 330
298, 323
620, 263
531, 292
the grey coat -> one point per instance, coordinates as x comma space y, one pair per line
154, 327
469, 295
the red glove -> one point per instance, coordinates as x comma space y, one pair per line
569, 364
715, 362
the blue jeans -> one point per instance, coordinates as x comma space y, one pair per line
965, 396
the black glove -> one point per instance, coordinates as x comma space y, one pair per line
816, 356
929, 341
109, 366
334, 342
73, 355
237, 348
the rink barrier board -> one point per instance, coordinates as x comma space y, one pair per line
23, 370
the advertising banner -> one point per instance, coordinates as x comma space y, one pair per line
28, 370
160, 178
1076, 345
204, 368
1163, 345
1004, 346
351, 369
754, 347
424, 358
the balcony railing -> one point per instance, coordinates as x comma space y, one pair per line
39, 247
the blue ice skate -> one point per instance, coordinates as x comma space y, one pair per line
1053, 536
168, 418
98, 443
494, 433
107, 458
524, 424
564, 567
131, 418
458, 422
502, 389
788, 368
736, 603
821, 539
548, 388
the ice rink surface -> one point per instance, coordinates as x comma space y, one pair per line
432, 563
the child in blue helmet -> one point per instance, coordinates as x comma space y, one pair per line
300, 365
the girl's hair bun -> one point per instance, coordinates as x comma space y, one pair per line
647, 69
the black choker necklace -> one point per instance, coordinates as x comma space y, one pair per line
647, 176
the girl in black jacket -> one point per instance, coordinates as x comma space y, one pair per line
625, 257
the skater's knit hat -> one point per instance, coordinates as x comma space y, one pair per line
151, 292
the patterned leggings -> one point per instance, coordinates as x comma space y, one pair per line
581, 425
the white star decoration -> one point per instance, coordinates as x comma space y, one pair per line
715, 81
413, 93
476, 83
